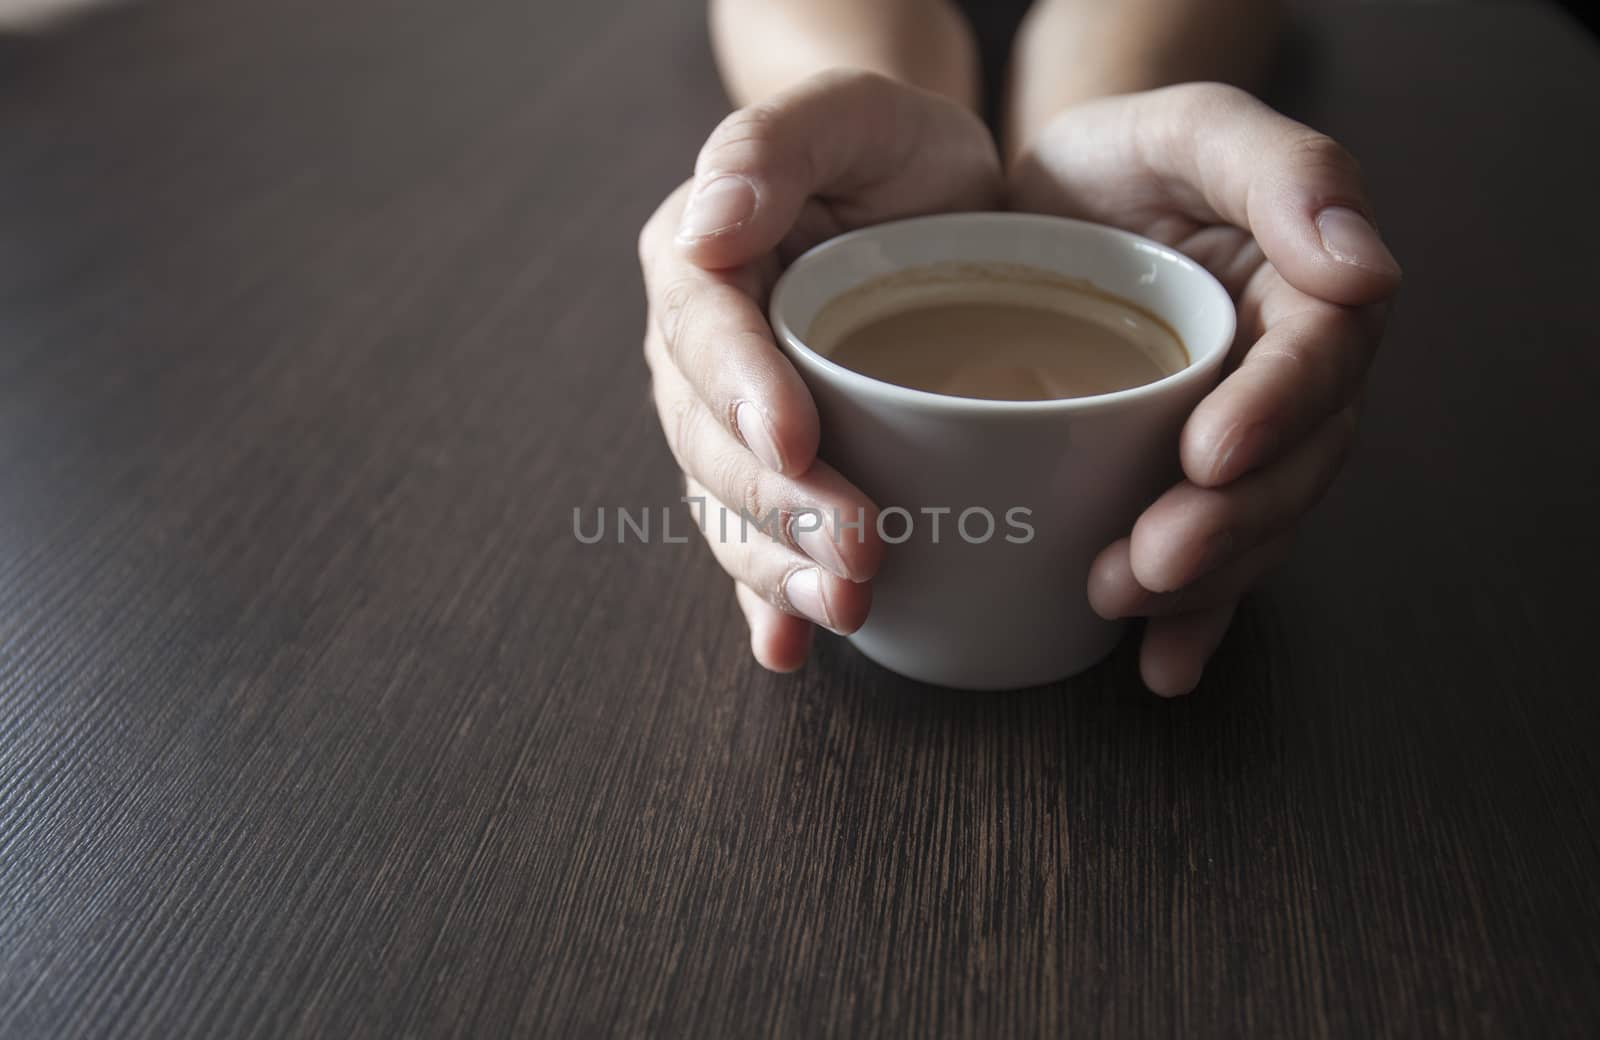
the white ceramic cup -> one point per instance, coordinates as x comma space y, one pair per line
998, 613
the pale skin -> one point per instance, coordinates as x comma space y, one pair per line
1275, 210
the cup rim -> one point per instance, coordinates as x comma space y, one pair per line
1199, 366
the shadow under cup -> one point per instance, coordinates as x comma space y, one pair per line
993, 510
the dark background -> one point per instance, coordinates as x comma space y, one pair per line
317, 321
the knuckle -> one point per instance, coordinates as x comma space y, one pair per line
1290, 356
1174, 117
646, 242
751, 566
657, 230
850, 88
1311, 365
680, 421
743, 139
740, 482
677, 302
1197, 101
1326, 345
1214, 93
844, 78
1317, 153
1345, 349
1326, 453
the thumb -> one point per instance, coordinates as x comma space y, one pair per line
870, 148
1297, 191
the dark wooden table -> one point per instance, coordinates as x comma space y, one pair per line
318, 320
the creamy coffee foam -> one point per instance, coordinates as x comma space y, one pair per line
998, 332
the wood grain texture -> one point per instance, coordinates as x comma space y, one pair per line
318, 320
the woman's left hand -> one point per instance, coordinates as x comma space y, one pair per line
1278, 213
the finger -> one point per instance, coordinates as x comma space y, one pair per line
1303, 370
1114, 592
819, 513
1173, 160
718, 338
1175, 649
776, 573
778, 641
1231, 157
871, 148
1190, 530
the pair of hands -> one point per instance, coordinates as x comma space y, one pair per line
1275, 210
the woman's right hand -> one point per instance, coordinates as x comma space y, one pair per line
842, 150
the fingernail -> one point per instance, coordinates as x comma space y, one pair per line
718, 205
756, 433
1349, 238
803, 590
817, 543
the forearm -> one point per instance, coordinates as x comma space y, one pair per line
1073, 50
765, 46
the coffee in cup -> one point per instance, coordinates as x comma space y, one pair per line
996, 332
